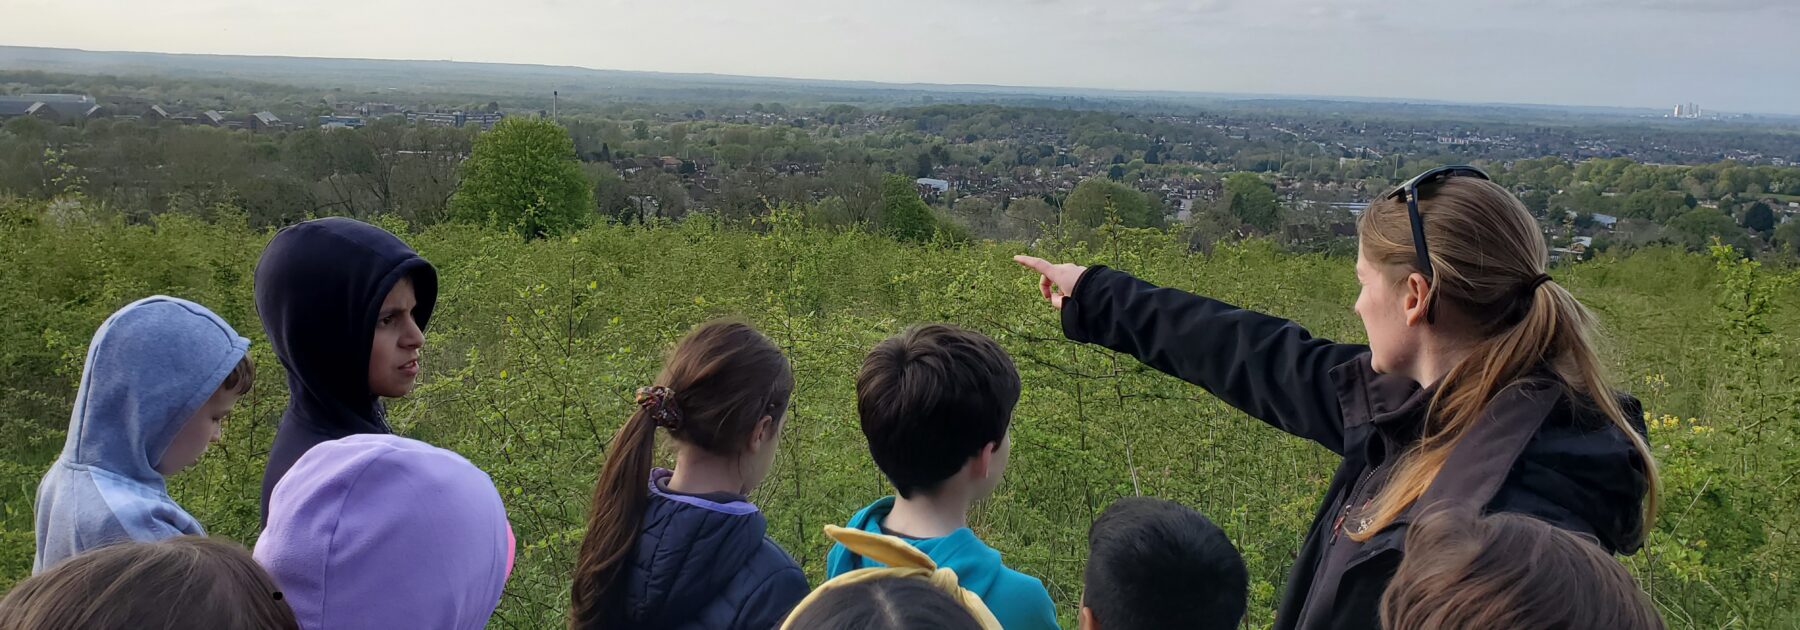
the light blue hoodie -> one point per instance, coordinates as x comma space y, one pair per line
1018, 600
150, 366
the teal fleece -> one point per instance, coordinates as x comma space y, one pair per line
1018, 600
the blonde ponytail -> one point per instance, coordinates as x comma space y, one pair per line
1487, 257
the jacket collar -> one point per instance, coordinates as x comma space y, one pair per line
1369, 397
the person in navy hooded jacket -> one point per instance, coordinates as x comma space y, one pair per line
344, 304
685, 548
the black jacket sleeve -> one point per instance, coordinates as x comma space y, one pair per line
1269, 367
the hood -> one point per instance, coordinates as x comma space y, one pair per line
1581, 464
379, 531
684, 543
977, 566
1576, 469
319, 288
149, 367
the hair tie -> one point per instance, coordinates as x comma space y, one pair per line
656, 400
1534, 283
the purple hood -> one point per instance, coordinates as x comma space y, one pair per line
379, 531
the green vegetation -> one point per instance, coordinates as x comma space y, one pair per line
522, 176
537, 345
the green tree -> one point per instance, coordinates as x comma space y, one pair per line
1252, 202
1087, 205
1759, 217
523, 176
1699, 226
612, 196
1787, 238
903, 214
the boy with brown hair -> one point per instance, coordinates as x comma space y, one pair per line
936, 405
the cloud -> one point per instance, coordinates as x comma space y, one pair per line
1669, 6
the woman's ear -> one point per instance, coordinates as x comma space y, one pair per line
1416, 301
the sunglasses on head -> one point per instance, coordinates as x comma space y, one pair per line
1410, 191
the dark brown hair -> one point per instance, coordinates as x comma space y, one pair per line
182, 582
929, 399
241, 378
1154, 563
1506, 571
720, 381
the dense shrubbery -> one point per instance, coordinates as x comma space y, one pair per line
536, 346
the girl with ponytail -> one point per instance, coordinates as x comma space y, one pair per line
1479, 388
686, 548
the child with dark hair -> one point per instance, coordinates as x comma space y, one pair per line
180, 582
685, 548
161, 374
1159, 564
936, 404
910, 593
1507, 570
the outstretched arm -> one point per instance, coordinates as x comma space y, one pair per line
1269, 367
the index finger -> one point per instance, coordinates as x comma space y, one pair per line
1036, 264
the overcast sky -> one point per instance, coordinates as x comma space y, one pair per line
1737, 55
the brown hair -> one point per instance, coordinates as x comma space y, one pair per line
889, 602
241, 378
1486, 255
1506, 571
929, 399
719, 382
182, 582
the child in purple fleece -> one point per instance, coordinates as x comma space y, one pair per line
381, 532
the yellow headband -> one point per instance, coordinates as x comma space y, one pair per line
903, 561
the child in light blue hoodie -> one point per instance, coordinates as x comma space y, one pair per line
936, 402
161, 374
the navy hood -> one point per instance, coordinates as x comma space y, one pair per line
319, 289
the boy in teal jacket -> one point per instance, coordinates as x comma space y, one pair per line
935, 403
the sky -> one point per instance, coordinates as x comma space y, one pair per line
1725, 55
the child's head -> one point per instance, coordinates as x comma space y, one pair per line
721, 394
911, 592
380, 531
203, 427
345, 305
1505, 571
888, 603
183, 582
160, 373
1159, 564
935, 403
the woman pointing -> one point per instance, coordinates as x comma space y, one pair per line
1480, 385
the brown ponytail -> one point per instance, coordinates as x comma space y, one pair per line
720, 381
1487, 257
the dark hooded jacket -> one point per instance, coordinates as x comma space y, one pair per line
1534, 450
704, 562
319, 289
